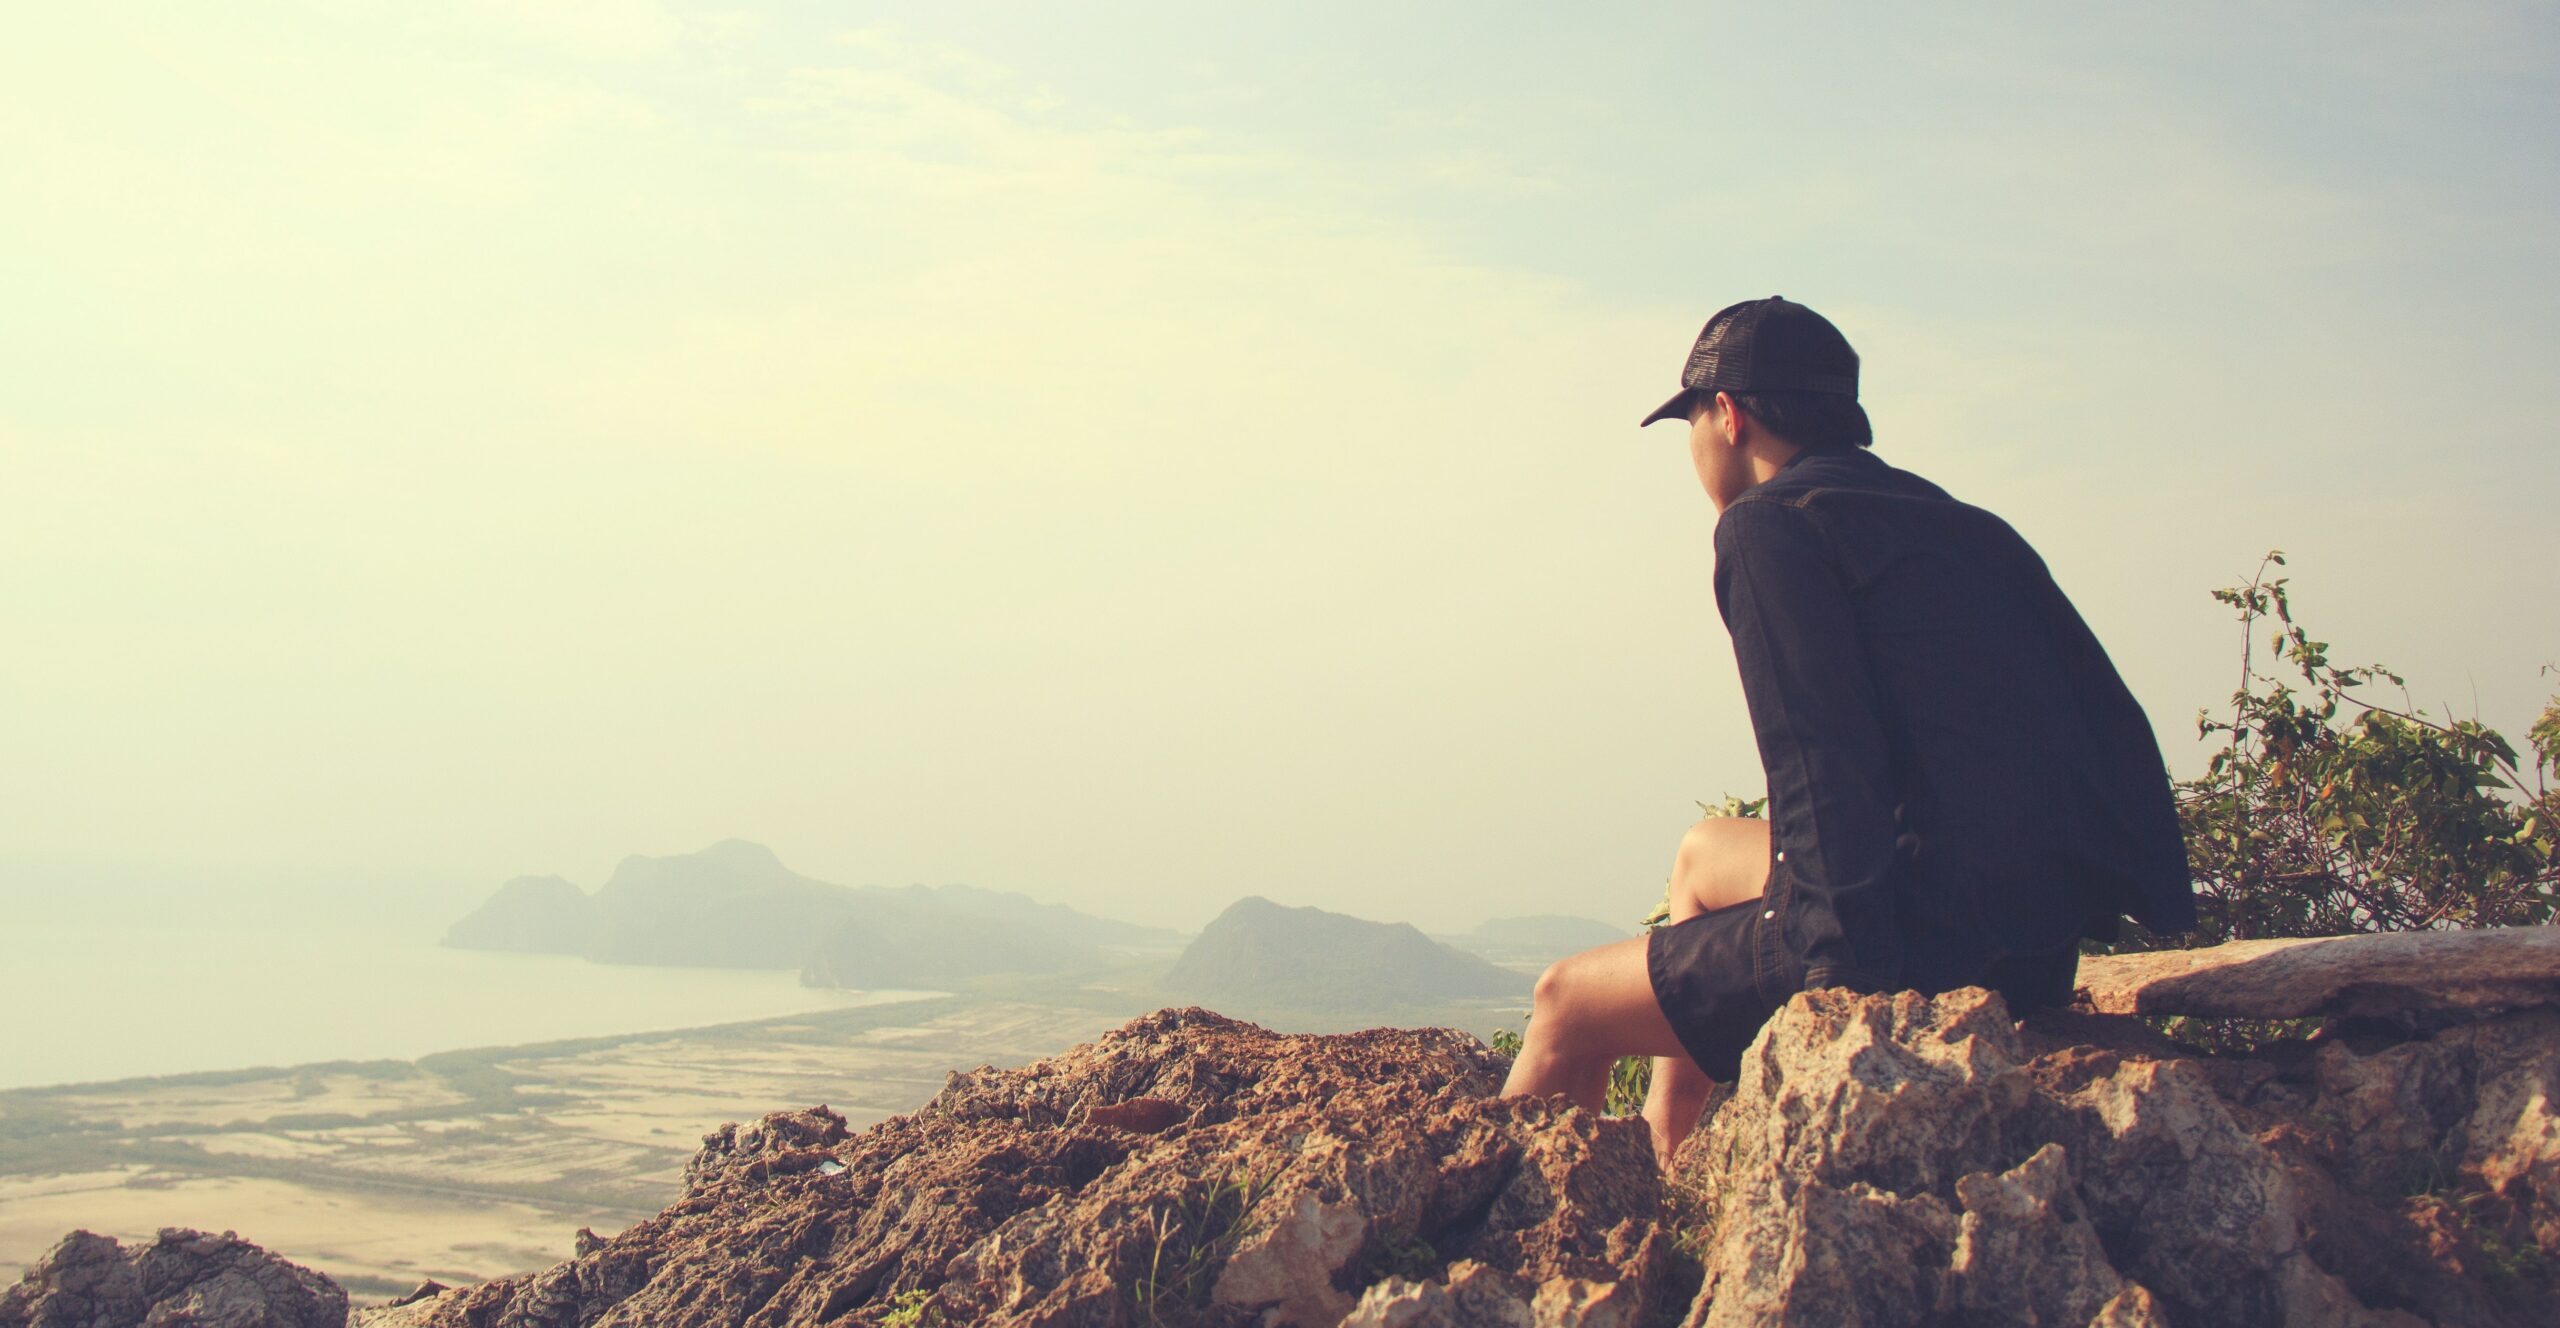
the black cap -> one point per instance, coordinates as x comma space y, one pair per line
1766, 345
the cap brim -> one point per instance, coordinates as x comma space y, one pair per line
1677, 408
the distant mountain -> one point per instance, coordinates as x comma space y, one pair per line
734, 905
1539, 939
529, 915
917, 943
1262, 955
1057, 920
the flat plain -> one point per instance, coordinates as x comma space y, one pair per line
467, 1165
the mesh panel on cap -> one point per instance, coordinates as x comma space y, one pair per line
1722, 357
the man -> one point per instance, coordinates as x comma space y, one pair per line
1960, 787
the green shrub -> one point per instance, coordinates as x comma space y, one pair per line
2325, 812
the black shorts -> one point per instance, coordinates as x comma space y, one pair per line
1720, 975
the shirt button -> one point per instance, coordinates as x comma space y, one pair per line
1769, 913
1782, 855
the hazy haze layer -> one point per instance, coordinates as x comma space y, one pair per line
1142, 459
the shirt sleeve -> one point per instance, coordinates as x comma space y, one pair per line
2141, 806
1820, 729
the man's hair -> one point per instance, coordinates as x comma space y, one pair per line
1815, 421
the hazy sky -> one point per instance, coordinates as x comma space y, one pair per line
1144, 454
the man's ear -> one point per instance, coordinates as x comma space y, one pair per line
1731, 419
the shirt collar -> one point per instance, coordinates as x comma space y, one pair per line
1854, 456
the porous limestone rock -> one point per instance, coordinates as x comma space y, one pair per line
183, 1277
1278, 1181
1474, 1296
1902, 1160
1892, 1159
2382, 975
403, 1313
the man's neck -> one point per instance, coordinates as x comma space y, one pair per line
1768, 456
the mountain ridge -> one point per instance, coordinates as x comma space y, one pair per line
734, 904
1262, 956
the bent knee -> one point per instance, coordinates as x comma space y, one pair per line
1697, 843
1722, 860
1552, 986
1560, 999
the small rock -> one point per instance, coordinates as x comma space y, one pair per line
424, 1291
1470, 1296
1138, 1115
183, 1277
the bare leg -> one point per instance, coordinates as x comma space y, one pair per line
1589, 1009
1596, 1006
1672, 1104
1722, 861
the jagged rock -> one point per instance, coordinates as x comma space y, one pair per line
2387, 974
182, 1277
2476, 1100
2027, 1218
1884, 1160
1474, 1296
403, 1313
1904, 1159
1290, 1174
1141, 1115
1470, 1296
408, 1311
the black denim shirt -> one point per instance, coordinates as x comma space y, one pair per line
1956, 772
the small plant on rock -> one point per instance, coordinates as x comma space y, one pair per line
913, 1308
1193, 1234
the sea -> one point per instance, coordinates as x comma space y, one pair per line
92, 998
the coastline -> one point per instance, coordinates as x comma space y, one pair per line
154, 1002
476, 1162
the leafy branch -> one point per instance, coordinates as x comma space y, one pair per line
2326, 812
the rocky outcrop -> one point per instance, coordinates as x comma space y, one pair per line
1186, 1168
183, 1277
1883, 1160
2357, 1179
2383, 975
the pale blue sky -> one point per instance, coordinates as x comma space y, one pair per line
1145, 454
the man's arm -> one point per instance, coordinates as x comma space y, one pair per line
1821, 733
2158, 889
